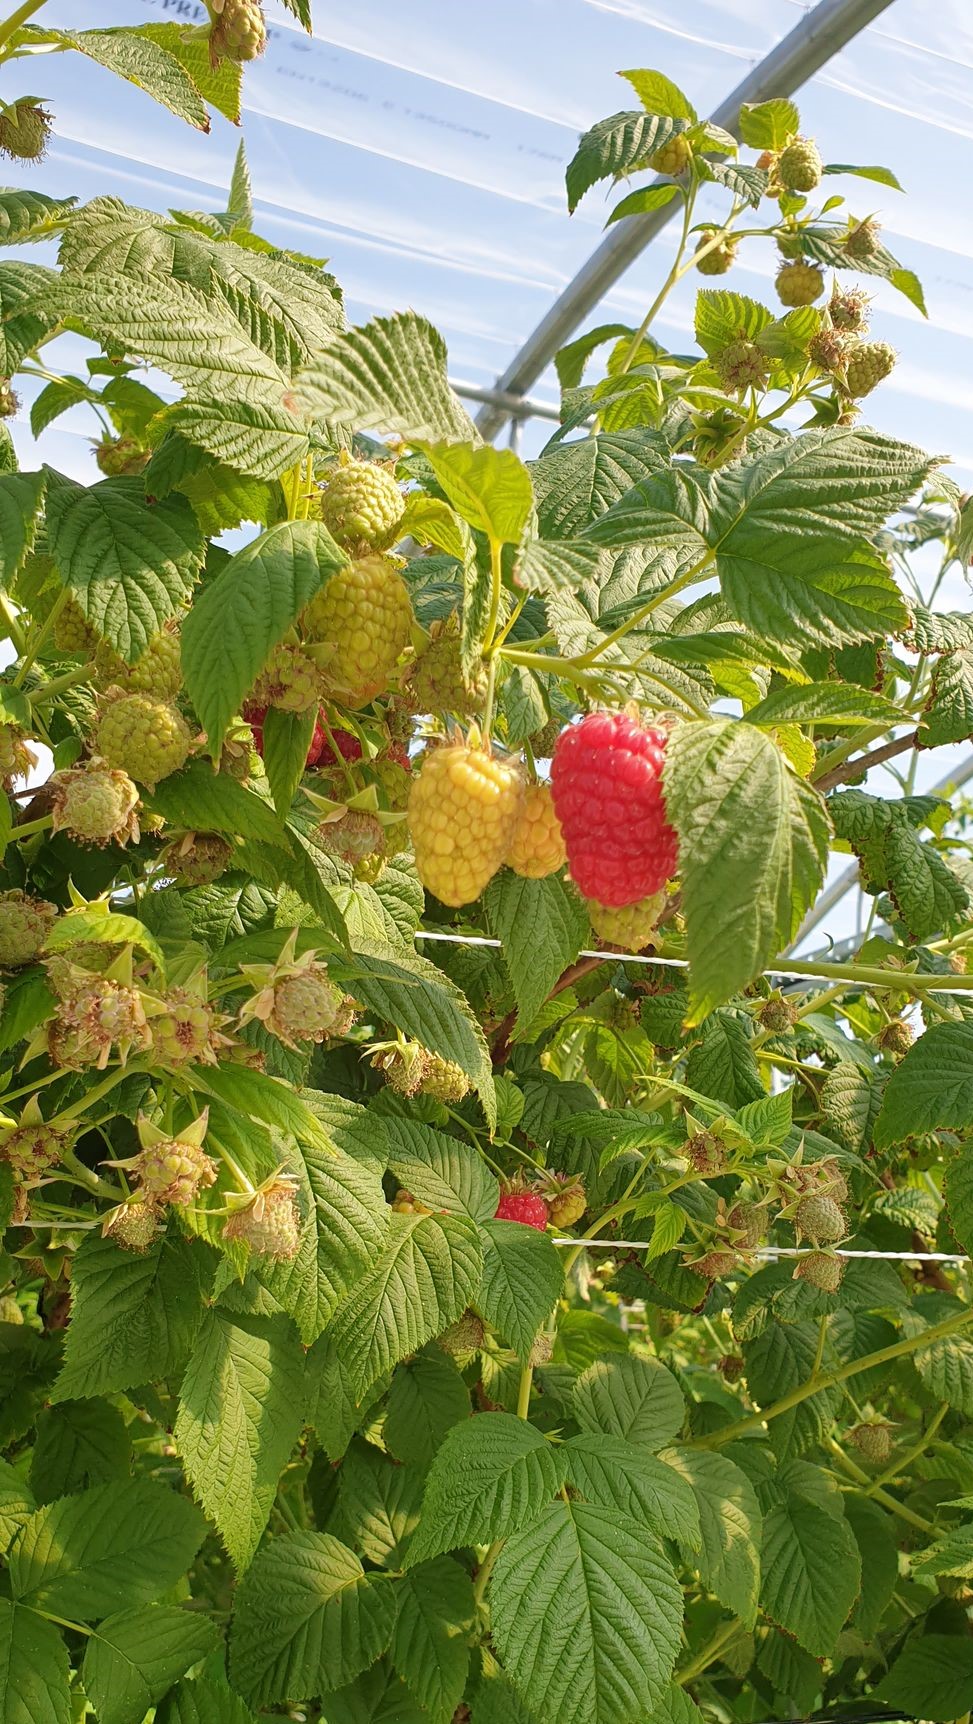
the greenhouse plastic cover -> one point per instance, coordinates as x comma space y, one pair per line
421, 147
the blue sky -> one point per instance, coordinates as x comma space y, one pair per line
422, 147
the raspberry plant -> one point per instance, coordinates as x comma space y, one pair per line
335, 1387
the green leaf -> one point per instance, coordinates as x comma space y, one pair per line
334, 1411
643, 202
414, 994
522, 1280
240, 1414
932, 1087
106, 1549
949, 710
220, 85
17, 1504
493, 1475
427, 1398
286, 740
379, 1504
420, 1282
619, 145
881, 176
387, 376
946, 1368
779, 1360
26, 216
554, 568
581, 480
429, 1648
441, 1171
202, 1702
821, 484
134, 1658
542, 926
958, 1193
632, 1397
620, 1475
795, 591
201, 800
811, 1571
20, 500
89, 926
874, 1534
130, 564
850, 1099
729, 1557
133, 1318
606, 1652
723, 316
246, 610
823, 703
753, 843
264, 1098
659, 95
722, 1064
21, 286
34, 1673
308, 1619
138, 59
932, 1676
345, 1226
769, 125
78, 1443
490, 488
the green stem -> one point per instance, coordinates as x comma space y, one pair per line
489, 699
660, 598
675, 273
822, 1343
10, 617
904, 1461
831, 1379
721, 1639
57, 683
9, 28
28, 829
76, 1108
866, 976
496, 589
91, 1181
523, 1392
887, 1501
40, 634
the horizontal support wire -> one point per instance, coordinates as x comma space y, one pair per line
770, 1253
806, 973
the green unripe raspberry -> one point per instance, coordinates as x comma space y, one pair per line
673, 158
863, 241
134, 1226
32, 1150
362, 622
748, 1222
443, 1079
117, 457
437, 682
630, 928
25, 128
829, 350
799, 284
158, 672
741, 366
146, 738
174, 1172
238, 31
197, 859
777, 1015
270, 1225
873, 1439
95, 805
308, 1008
820, 1218
24, 926
181, 1035
868, 364
722, 256
463, 1337
16, 758
820, 1269
362, 507
799, 166
849, 310
72, 631
290, 680
895, 1037
354, 836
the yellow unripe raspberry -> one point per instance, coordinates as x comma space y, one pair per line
463, 811
537, 848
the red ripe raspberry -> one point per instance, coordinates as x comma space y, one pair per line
347, 745
607, 781
318, 746
523, 1206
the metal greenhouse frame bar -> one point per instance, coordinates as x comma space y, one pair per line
820, 35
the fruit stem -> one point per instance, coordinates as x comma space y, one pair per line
30, 827
822, 1343
496, 587
85, 1176
904, 1461
831, 1379
9, 28
881, 1496
484, 1572
710, 1653
489, 699
689, 197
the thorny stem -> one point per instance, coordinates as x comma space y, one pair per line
831, 1379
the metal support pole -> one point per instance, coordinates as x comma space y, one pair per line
820, 35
